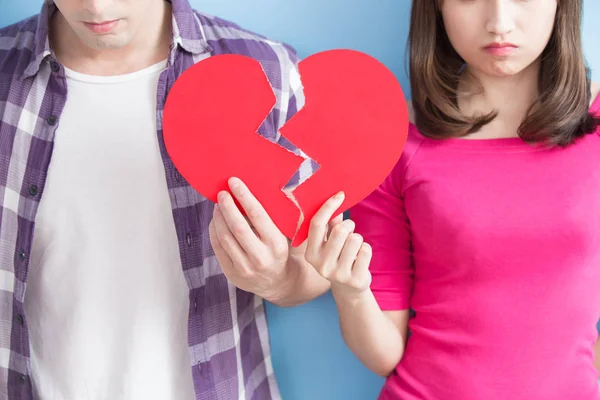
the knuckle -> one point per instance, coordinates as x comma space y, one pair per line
356, 238
246, 271
358, 283
362, 282
238, 229
316, 223
339, 231
255, 212
280, 249
225, 237
326, 270
263, 261
351, 225
342, 276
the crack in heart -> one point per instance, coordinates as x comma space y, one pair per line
314, 168
309, 164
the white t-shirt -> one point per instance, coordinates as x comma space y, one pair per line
106, 301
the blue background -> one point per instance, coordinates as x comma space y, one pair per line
309, 356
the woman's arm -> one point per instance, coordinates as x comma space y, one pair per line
376, 337
371, 272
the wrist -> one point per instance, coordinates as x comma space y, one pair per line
283, 292
350, 296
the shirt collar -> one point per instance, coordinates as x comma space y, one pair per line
187, 34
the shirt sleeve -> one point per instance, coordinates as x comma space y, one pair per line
381, 219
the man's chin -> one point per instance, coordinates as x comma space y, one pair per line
105, 42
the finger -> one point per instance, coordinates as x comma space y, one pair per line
258, 216
335, 221
318, 225
228, 240
252, 227
238, 224
350, 253
335, 245
361, 276
220, 253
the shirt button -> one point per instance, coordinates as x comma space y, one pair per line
54, 66
22, 255
51, 120
20, 319
22, 378
33, 190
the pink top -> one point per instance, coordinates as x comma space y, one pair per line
495, 244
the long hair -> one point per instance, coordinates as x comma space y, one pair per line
558, 116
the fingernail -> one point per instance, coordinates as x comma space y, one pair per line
221, 196
234, 182
340, 196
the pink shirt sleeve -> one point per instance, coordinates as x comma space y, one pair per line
381, 219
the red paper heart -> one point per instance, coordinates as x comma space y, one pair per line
354, 125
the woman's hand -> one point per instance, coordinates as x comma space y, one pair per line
337, 253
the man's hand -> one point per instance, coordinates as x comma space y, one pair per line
254, 254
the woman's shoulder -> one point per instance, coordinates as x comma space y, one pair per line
411, 112
396, 179
414, 138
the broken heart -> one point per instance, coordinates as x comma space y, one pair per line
354, 125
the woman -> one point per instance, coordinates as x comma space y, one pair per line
489, 225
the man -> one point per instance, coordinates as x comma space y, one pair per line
97, 225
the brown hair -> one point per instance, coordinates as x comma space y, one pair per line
559, 115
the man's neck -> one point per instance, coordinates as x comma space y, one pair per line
150, 46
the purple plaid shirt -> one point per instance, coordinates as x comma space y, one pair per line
228, 338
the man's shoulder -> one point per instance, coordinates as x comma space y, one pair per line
20, 30
17, 44
227, 37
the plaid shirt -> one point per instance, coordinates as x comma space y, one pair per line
228, 339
